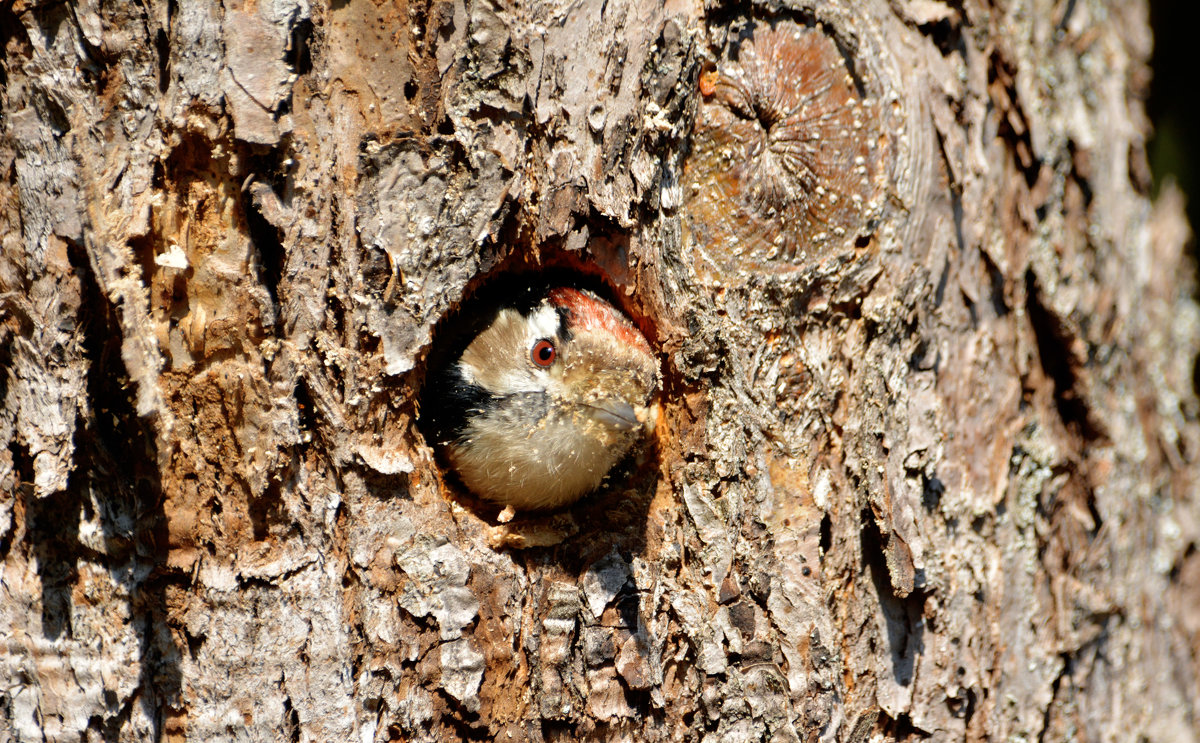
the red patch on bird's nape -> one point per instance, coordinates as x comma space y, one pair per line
589, 311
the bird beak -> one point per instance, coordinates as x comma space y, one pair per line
616, 413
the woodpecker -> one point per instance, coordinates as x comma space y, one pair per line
544, 400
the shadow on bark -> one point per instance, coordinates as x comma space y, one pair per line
902, 615
116, 485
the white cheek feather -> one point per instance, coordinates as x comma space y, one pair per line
499, 359
508, 379
543, 323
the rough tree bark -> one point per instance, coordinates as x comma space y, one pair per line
927, 458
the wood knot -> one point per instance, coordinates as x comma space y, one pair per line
788, 157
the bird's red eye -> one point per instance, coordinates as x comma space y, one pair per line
543, 353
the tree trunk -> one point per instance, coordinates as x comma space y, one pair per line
926, 464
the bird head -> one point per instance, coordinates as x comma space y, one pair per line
545, 400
